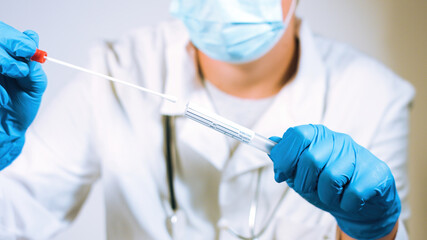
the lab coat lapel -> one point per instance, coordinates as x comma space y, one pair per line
308, 102
302, 101
183, 82
181, 78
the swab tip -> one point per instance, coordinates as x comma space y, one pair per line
172, 99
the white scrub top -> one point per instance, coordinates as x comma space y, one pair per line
99, 131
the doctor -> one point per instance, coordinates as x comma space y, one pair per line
254, 63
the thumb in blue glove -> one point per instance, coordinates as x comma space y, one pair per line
337, 175
22, 84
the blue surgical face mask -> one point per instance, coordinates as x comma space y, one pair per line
234, 31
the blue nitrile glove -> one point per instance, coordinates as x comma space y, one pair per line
337, 175
22, 83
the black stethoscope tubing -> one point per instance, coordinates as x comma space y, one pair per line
169, 155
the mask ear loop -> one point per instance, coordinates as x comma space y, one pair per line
290, 13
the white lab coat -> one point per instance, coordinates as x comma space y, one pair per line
98, 131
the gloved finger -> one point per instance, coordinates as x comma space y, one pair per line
384, 201
338, 172
275, 139
36, 82
33, 35
286, 153
355, 196
4, 96
370, 178
15, 42
311, 163
11, 67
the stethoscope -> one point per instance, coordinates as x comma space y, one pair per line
173, 220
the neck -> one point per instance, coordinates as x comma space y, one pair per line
261, 78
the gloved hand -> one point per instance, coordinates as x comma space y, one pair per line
337, 175
22, 83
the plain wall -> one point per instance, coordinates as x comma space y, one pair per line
395, 32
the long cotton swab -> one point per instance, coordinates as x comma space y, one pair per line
41, 56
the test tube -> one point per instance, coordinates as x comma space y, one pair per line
229, 128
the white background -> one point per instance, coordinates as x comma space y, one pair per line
393, 31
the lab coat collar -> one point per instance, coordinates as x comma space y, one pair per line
301, 101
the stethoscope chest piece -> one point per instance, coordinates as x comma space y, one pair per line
176, 224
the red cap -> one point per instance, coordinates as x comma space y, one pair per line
39, 56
